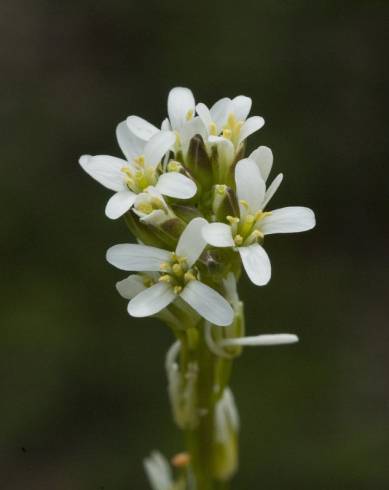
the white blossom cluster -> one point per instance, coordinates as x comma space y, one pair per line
197, 207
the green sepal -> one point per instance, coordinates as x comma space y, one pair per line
198, 162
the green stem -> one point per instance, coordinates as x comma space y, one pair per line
201, 440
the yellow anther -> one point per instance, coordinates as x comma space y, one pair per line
238, 239
189, 276
145, 207
130, 182
140, 160
220, 189
231, 121
156, 203
174, 166
257, 234
233, 220
126, 171
165, 267
213, 129
227, 133
178, 270
177, 289
165, 278
189, 115
262, 214
244, 203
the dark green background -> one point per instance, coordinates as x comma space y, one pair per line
82, 384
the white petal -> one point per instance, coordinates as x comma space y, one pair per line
241, 106
151, 300
129, 143
180, 105
219, 112
119, 204
157, 146
165, 125
251, 125
218, 235
191, 243
291, 219
190, 129
256, 263
141, 128
134, 257
250, 186
270, 339
174, 184
105, 169
263, 157
155, 218
204, 114
130, 286
225, 148
272, 189
208, 303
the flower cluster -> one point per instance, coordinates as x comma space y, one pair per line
198, 208
187, 188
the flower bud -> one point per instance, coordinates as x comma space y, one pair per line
225, 461
224, 202
182, 389
184, 212
198, 163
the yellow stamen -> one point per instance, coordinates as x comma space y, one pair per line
244, 203
227, 133
165, 278
177, 289
238, 239
233, 220
189, 115
189, 276
174, 166
140, 160
177, 269
165, 267
213, 129
145, 207
261, 214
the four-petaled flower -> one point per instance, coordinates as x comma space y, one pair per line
178, 277
139, 172
244, 232
227, 120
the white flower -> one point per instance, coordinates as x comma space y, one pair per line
227, 120
151, 207
254, 223
138, 173
158, 471
181, 120
180, 107
178, 277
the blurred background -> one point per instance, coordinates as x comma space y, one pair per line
82, 384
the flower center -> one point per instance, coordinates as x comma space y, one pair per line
231, 130
177, 273
140, 177
247, 230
